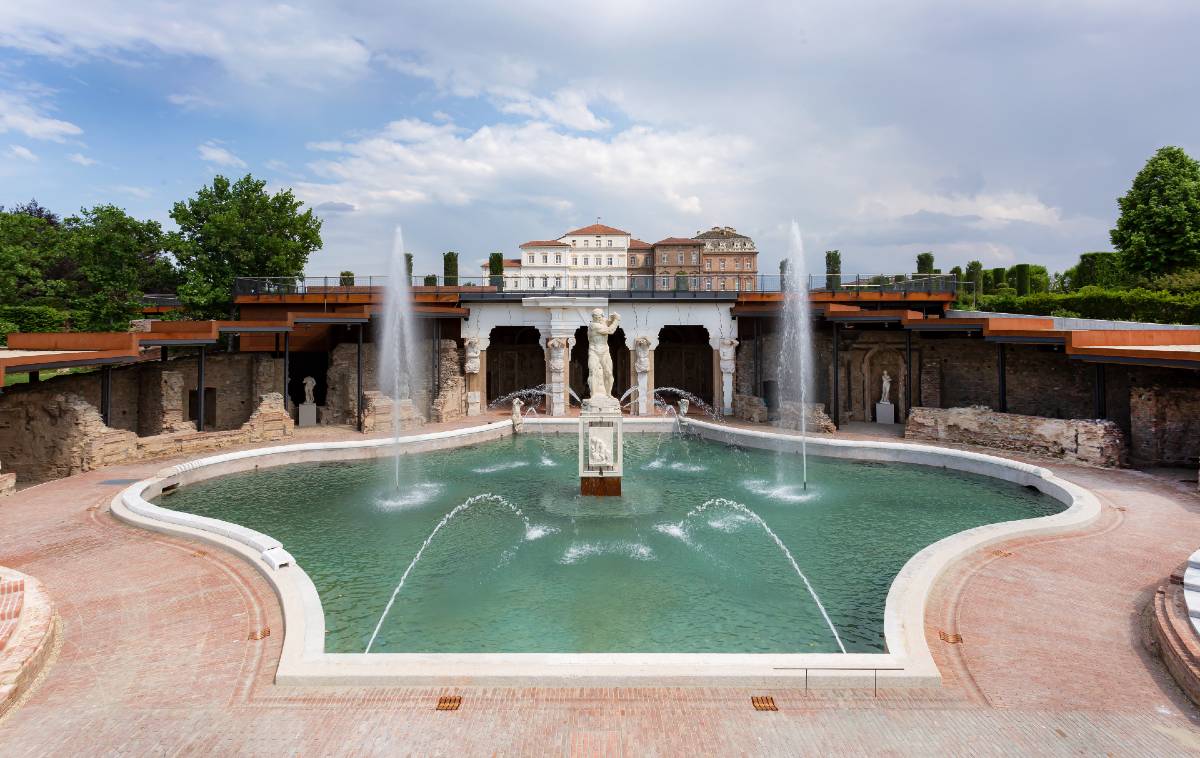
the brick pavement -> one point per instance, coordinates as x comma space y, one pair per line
157, 657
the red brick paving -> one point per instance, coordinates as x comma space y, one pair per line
157, 658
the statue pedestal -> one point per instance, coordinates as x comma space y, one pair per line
885, 413
601, 449
306, 414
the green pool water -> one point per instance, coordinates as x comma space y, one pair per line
537, 568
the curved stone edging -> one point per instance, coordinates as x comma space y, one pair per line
27, 650
908, 661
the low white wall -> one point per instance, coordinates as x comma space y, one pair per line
908, 661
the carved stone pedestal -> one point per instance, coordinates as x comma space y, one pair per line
601, 455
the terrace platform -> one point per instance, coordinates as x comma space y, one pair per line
167, 650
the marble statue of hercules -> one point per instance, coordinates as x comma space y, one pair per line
600, 368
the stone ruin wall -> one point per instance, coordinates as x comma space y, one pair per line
451, 401
1166, 424
50, 434
1091, 442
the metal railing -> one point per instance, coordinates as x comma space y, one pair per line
690, 284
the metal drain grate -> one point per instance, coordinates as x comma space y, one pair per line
449, 702
260, 634
947, 637
763, 703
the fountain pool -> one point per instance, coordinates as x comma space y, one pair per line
705, 552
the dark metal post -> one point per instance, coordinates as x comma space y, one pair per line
35, 377
908, 378
359, 404
200, 389
106, 394
837, 375
1101, 392
162, 354
287, 376
1001, 380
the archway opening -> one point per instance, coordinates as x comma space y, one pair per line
684, 360
515, 361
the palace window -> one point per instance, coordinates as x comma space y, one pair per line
722, 264
545, 282
574, 260
680, 257
666, 282
737, 264
532, 258
721, 284
708, 264
708, 283
695, 258
585, 243
585, 260
610, 282
545, 258
610, 243
530, 278
662, 258
558, 282
610, 260
633, 260
692, 282
558, 257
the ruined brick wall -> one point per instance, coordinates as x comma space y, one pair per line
51, 434
451, 401
1091, 442
1165, 425
342, 376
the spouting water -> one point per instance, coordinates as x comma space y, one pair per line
797, 352
726, 503
465, 505
399, 364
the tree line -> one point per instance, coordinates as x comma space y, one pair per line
91, 270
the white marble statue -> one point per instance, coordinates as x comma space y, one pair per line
309, 383
471, 362
887, 388
558, 354
684, 404
641, 355
517, 418
599, 450
600, 368
728, 352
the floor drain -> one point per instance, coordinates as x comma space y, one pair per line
763, 703
260, 634
953, 639
449, 702
1001, 553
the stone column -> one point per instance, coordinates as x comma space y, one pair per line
473, 368
642, 367
558, 350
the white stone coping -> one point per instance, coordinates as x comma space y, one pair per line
908, 661
1191, 590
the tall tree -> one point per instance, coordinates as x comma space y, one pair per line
230, 230
29, 248
925, 263
1158, 231
119, 258
496, 270
450, 269
833, 269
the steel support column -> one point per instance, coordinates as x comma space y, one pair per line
359, 358
908, 374
1100, 392
287, 369
200, 389
1001, 379
106, 395
162, 354
837, 375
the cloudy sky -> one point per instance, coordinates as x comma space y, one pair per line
1002, 133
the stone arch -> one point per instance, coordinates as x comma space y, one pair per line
874, 362
515, 360
684, 359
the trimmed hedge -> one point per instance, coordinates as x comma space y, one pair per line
1096, 302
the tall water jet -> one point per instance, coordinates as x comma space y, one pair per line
399, 363
796, 351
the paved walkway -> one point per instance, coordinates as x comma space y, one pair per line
158, 657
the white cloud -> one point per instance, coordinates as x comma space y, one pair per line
993, 209
192, 101
141, 193
22, 112
566, 107
81, 159
22, 152
412, 161
211, 152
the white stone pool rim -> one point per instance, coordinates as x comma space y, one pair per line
303, 660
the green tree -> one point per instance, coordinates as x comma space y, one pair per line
999, 279
1158, 231
235, 229
408, 265
346, 279
430, 280
496, 269
450, 269
29, 248
974, 275
833, 269
1021, 274
118, 259
925, 263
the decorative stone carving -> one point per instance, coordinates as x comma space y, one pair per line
600, 447
886, 381
684, 404
558, 348
728, 352
309, 384
517, 418
471, 361
641, 370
